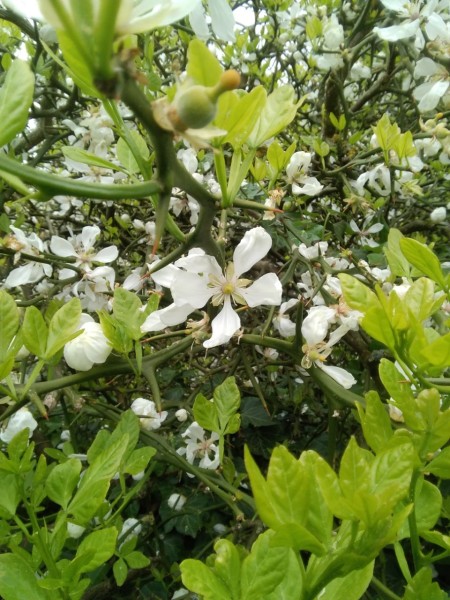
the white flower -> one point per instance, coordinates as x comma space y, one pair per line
412, 14
364, 233
296, 175
314, 251
133, 16
438, 215
200, 279
32, 271
198, 446
176, 501
149, 417
282, 322
20, 420
89, 348
81, 247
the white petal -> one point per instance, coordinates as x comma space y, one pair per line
61, 247
222, 19
265, 290
223, 326
342, 376
106, 255
397, 32
255, 244
18, 422
397, 5
167, 317
199, 263
426, 67
29, 273
436, 27
88, 236
431, 99
316, 324
26, 8
149, 14
197, 20
310, 186
190, 288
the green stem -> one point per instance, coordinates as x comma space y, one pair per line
379, 585
54, 185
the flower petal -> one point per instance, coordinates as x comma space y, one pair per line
190, 288
149, 14
61, 247
222, 19
255, 244
106, 255
223, 326
265, 290
316, 324
340, 375
27, 8
167, 317
398, 32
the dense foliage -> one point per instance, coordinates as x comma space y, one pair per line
224, 299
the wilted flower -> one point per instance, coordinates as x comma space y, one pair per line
149, 417
89, 348
20, 420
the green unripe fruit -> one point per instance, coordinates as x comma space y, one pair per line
195, 106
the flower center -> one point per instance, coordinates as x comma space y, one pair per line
228, 288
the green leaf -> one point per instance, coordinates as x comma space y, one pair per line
127, 309
202, 66
424, 259
88, 158
62, 481
137, 560
200, 579
9, 323
421, 587
397, 262
205, 413
16, 97
350, 587
227, 565
138, 460
399, 389
96, 480
238, 114
125, 153
438, 352
279, 111
35, 332
375, 422
357, 295
63, 326
269, 572
120, 571
227, 400
99, 546
427, 508
419, 300
440, 466
9, 492
291, 497
18, 580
